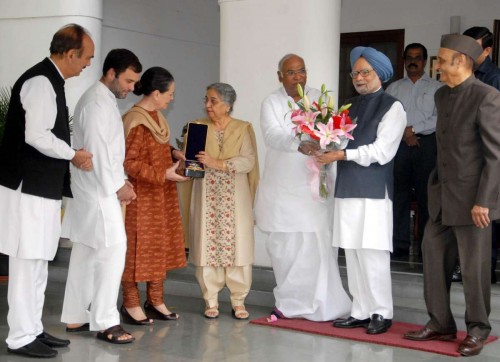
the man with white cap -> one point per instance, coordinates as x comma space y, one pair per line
364, 191
463, 197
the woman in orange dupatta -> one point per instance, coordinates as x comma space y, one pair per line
155, 242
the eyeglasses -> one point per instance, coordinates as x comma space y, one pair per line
364, 73
212, 101
291, 73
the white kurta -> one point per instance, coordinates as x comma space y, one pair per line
95, 215
297, 226
367, 223
31, 224
364, 226
26, 234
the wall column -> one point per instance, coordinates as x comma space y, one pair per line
255, 34
27, 27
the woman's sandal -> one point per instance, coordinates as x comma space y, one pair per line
127, 318
212, 313
116, 332
153, 313
239, 312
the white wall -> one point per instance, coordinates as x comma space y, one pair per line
181, 36
424, 21
255, 34
26, 30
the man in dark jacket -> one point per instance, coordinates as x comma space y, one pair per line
34, 176
463, 196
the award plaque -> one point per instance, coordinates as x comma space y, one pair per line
196, 138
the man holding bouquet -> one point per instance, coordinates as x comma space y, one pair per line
297, 226
364, 191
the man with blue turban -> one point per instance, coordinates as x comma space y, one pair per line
364, 191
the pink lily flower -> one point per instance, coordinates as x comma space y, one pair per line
347, 129
327, 134
304, 118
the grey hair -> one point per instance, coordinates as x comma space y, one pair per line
226, 92
285, 58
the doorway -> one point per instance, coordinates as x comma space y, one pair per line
389, 42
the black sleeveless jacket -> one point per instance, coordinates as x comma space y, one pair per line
41, 175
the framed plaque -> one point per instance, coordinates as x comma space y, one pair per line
195, 141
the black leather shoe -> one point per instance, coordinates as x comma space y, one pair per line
153, 313
351, 322
35, 349
52, 341
378, 324
127, 318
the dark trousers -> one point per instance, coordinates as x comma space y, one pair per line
440, 247
412, 166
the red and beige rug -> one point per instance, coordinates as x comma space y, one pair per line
393, 337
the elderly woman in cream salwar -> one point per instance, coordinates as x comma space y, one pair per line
221, 218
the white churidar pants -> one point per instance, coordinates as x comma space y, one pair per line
94, 278
26, 295
369, 280
307, 276
212, 279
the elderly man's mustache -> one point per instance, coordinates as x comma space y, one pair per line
412, 65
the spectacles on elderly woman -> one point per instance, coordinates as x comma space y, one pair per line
364, 73
212, 101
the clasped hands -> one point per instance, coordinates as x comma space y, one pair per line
321, 158
82, 160
126, 193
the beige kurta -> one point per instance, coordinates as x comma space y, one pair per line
221, 218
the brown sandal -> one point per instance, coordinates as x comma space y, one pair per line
115, 332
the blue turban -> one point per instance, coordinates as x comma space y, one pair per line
377, 60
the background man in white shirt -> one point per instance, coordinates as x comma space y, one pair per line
34, 175
96, 223
416, 156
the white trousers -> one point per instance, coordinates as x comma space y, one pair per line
308, 283
212, 279
93, 285
369, 280
26, 295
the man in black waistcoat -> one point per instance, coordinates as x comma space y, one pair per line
34, 176
364, 191
463, 197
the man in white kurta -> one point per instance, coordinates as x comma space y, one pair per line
33, 178
363, 192
97, 227
297, 226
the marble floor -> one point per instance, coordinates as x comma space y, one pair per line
194, 338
